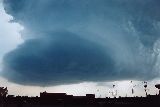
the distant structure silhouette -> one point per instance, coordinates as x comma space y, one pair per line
3, 91
133, 88
158, 86
145, 87
64, 100
114, 91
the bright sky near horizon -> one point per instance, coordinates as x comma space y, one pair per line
27, 49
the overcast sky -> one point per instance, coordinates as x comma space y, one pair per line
79, 46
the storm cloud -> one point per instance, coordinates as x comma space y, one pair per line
70, 41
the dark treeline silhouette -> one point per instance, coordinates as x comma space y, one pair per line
64, 100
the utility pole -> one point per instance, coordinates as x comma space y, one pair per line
145, 87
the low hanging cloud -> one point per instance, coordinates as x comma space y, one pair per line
63, 59
70, 41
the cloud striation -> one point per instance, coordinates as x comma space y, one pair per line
71, 41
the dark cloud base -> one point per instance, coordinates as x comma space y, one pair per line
66, 58
62, 58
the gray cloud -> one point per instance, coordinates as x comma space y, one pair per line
68, 41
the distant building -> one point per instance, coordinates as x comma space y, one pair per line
53, 95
